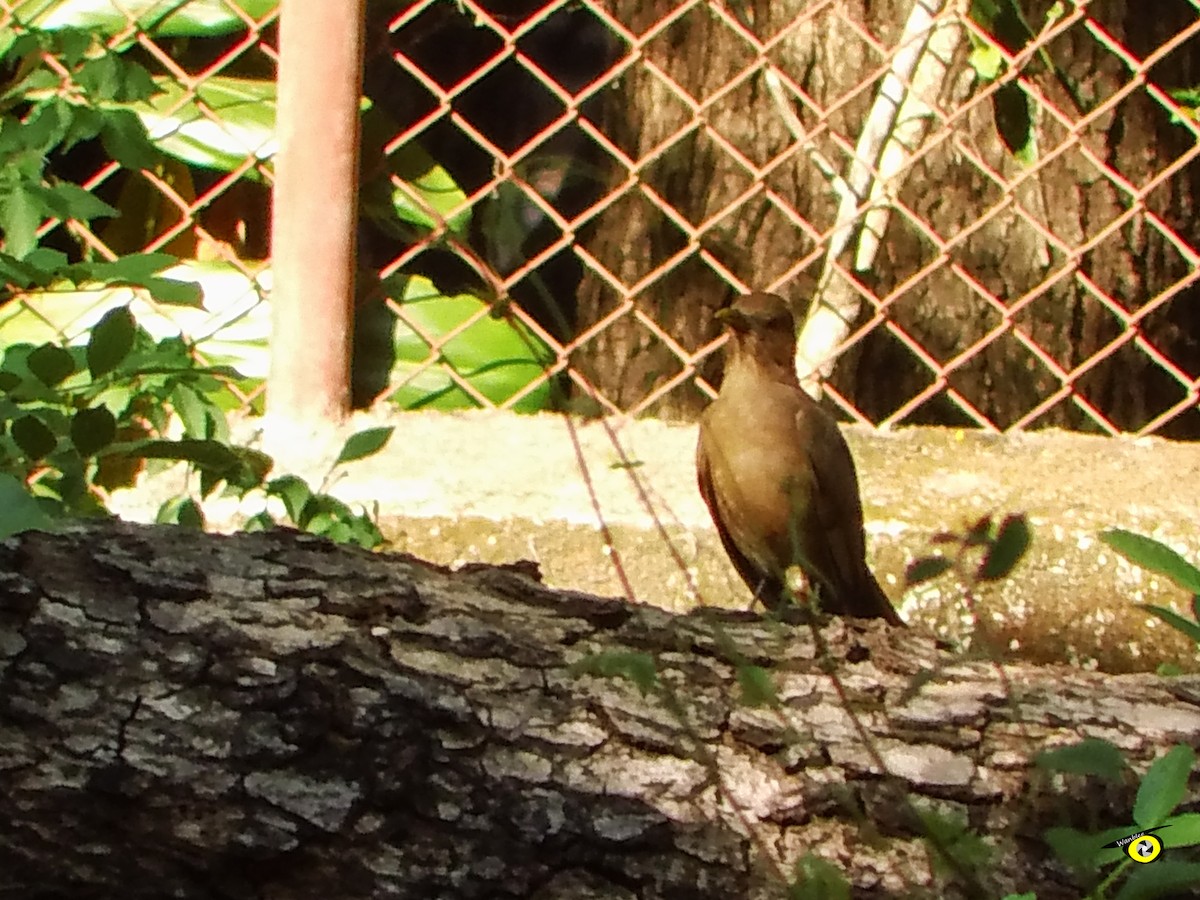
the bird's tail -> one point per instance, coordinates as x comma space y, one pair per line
876, 602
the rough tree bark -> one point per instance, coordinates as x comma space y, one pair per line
746, 232
270, 716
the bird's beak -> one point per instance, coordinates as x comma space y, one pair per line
732, 318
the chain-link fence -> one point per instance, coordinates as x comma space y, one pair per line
990, 205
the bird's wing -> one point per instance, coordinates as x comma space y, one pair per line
838, 510
765, 585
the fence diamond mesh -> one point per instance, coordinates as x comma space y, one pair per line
987, 209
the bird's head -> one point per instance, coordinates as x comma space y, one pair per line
762, 331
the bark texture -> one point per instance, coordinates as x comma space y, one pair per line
270, 716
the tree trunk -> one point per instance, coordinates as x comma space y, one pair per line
1070, 305
1071, 308
272, 716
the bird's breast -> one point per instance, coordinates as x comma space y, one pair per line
758, 464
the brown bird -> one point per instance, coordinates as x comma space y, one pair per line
777, 475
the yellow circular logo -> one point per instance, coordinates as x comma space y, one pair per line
1144, 849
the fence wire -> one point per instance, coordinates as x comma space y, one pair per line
989, 216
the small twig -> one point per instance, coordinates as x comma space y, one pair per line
605, 532
895, 127
908, 134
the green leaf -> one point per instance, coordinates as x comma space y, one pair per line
984, 13
1154, 556
1082, 851
135, 83
364, 443
496, 357
22, 273
1176, 621
45, 128
980, 533
183, 511
333, 528
20, 512
320, 523
110, 341
175, 293
1164, 785
135, 268
99, 77
86, 124
144, 270
1188, 99
109, 77
218, 126
33, 437
1164, 878
93, 429
757, 687
926, 569
51, 364
69, 201
636, 667
1011, 543
328, 516
259, 522
1014, 122
195, 411
231, 326
295, 494
22, 209
47, 260
1189, 96
1091, 756
252, 469
73, 45
363, 532
815, 878
1183, 831
239, 466
986, 60
166, 18
427, 195
125, 140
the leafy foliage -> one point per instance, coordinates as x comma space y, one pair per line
150, 121
1155, 556
1161, 790
87, 419
167, 18
999, 545
45, 113
1004, 32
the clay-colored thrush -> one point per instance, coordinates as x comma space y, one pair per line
777, 475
